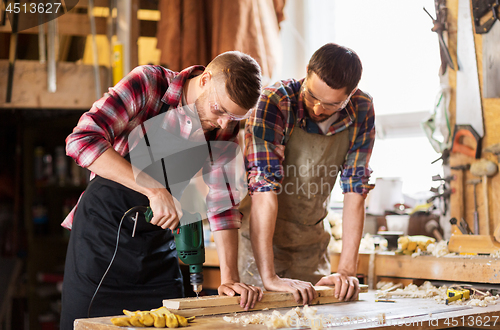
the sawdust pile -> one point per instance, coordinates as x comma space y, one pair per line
294, 317
427, 290
495, 254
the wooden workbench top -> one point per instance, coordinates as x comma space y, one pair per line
365, 313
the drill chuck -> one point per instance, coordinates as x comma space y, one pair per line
196, 280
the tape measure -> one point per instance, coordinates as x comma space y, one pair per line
456, 294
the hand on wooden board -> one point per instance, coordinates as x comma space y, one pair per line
303, 292
249, 294
346, 287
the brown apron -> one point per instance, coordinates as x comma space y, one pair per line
301, 237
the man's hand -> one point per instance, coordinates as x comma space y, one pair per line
346, 287
249, 294
303, 292
166, 210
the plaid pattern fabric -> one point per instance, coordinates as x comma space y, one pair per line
136, 98
280, 110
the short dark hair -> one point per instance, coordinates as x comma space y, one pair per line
242, 77
337, 66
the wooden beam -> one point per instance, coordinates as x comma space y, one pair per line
211, 305
77, 24
268, 297
69, 24
75, 86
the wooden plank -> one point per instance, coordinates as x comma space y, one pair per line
464, 269
473, 244
211, 301
78, 24
212, 305
144, 4
75, 86
69, 24
258, 307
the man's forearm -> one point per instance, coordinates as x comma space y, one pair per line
226, 241
262, 225
353, 219
112, 166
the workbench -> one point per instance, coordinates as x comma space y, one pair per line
387, 265
364, 314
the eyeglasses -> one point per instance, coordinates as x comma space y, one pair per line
313, 100
217, 109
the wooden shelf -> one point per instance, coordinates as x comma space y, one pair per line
479, 269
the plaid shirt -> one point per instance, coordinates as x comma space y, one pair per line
280, 109
136, 98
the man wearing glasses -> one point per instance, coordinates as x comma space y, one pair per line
193, 106
303, 133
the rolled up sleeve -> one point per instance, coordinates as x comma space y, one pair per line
108, 118
263, 133
356, 172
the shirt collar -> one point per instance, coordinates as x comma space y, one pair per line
174, 92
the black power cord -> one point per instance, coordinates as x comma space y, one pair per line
134, 209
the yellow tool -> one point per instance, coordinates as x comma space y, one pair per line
458, 293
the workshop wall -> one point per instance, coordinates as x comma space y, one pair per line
491, 119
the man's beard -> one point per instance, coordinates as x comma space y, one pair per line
206, 124
320, 119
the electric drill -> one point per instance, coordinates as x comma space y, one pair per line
190, 245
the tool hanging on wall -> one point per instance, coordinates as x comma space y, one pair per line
3, 14
439, 27
466, 141
52, 51
12, 54
486, 13
111, 31
468, 109
97, 76
437, 126
476, 214
485, 168
41, 39
454, 222
463, 170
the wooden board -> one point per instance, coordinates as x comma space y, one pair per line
75, 86
212, 305
473, 244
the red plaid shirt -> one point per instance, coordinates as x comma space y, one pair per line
136, 98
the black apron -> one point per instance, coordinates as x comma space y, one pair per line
145, 270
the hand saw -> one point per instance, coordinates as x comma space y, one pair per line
469, 111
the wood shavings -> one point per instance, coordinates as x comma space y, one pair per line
381, 318
495, 254
426, 290
276, 320
476, 301
439, 249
